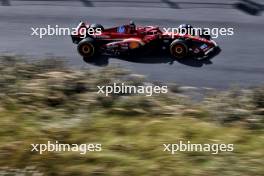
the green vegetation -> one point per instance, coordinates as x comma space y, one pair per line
47, 101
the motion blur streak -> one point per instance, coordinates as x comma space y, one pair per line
45, 100
239, 63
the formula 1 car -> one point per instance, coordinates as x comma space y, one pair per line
130, 39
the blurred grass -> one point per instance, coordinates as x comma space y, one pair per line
46, 100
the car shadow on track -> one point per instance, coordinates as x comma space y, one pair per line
158, 58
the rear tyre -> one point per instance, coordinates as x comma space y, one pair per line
86, 48
178, 49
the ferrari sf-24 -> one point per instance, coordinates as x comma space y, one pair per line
130, 39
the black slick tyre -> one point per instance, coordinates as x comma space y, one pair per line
178, 49
86, 48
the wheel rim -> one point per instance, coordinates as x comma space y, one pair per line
87, 50
178, 51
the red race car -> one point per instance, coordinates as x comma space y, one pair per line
130, 39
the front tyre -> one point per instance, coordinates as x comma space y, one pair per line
86, 48
178, 49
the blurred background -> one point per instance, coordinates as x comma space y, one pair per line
48, 93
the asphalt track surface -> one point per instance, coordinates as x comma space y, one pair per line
241, 61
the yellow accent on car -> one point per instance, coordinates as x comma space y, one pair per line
134, 44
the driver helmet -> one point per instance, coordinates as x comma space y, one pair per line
132, 25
